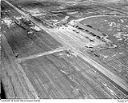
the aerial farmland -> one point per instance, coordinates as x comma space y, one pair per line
64, 49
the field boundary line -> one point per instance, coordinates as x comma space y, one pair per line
60, 49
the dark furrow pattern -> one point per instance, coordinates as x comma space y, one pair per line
70, 76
